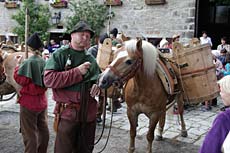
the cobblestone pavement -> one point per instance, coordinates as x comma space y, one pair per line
197, 121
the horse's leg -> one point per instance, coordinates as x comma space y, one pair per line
180, 104
161, 127
154, 118
133, 118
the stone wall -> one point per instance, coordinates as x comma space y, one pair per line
134, 18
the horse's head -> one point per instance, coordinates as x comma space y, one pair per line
124, 66
132, 57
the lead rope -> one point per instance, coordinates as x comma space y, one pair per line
104, 116
111, 123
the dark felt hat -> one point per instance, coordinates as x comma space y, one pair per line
82, 26
103, 37
114, 31
34, 41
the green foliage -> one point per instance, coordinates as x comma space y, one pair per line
38, 20
222, 2
89, 10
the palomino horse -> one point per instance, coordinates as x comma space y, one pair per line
8, 64
144, 92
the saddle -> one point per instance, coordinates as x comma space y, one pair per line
167, 76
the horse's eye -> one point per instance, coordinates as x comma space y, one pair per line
128, 62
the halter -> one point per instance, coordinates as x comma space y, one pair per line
129, 75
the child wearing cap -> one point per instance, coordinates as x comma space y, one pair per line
32, 99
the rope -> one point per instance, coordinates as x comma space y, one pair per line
111, 123
104, 117
180, 76
1, 99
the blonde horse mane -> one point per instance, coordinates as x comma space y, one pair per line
150, 55
225, 83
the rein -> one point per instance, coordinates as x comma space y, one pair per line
111, 121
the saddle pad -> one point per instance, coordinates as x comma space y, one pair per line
165, 77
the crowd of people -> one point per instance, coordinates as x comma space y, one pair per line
71, 72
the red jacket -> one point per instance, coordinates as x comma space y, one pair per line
33, 97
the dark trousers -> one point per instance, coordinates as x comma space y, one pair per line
34, 130
71, 138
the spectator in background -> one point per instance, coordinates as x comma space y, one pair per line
113, 36
164, 43
226, 70
45, 45
218, 65
45, 54
65, 42
223, 45
175, 38
53, 46
205, 39
217, 139
222, 56
94, 49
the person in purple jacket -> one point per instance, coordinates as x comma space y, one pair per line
221, 126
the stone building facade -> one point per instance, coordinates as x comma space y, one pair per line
134, 18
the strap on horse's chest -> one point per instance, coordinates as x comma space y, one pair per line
167, 76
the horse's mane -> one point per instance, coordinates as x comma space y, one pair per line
149, 55
224, 83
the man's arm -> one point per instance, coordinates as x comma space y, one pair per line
55, 79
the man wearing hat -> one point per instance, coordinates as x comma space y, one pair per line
72, 73
32, 99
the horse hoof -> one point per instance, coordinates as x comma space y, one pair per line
131, 150
159, 138
184, 133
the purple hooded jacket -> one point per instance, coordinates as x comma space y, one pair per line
217, 134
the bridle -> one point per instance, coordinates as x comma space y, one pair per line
123, 79
2, 74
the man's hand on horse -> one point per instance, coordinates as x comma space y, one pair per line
83, 68
95, 90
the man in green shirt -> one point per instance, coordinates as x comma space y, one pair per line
72, 74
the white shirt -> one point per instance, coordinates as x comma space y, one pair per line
206, 41
226, 46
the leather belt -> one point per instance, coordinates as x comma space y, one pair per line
70, 105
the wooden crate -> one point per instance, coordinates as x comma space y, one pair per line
155, 2
104, 53
197, 71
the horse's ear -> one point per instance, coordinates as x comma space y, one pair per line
139, 46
